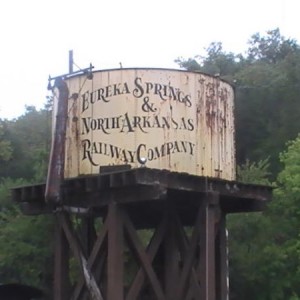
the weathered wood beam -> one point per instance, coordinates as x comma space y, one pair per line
184, 244
152, 249
115, 263
87, 233
190, 255
93, 259
61, 264
138, 249
171, 259
119, 195
222, 272
207, 267
74, 243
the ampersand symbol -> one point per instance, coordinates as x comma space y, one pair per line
148, 107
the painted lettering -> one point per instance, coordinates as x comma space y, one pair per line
91, 150
127, 123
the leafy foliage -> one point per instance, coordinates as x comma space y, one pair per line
247, 233
25, 242
266, 81
285, 215
271, 48
29, 140
265, 247
25, 252
255, 173
216, 62
5, 145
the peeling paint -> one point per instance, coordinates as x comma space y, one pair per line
125, 115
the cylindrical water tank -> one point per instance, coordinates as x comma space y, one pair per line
158, 118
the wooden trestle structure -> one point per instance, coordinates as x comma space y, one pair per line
185, 256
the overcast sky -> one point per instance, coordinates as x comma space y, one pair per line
36, 36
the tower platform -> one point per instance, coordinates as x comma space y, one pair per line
143, 233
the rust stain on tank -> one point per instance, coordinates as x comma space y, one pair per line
211, 104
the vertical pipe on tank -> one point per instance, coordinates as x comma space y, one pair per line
57, 155
71, 61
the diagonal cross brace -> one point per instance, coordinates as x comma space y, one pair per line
91, 260
151, 251
138, 248
184, 245
74, 243
190, 254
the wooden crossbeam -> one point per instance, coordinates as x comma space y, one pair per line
92, 260
138, 249
87, 233
171, 257
74, 244
190, 255
152, 249
127, 194
61, 275
115, 263
184, 244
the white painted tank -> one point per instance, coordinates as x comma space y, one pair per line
165, 119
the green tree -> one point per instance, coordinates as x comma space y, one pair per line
25, 242
267, 101
266, 81
270, 48
215, 62
29, 140
265, 247
254, 173
285, 215
247, 234
5, 145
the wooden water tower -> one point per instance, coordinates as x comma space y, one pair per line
141, 177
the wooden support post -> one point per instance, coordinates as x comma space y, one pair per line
88, 234
61, 264
190, 253
115, 264
171, 260
207, 266
222, 261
